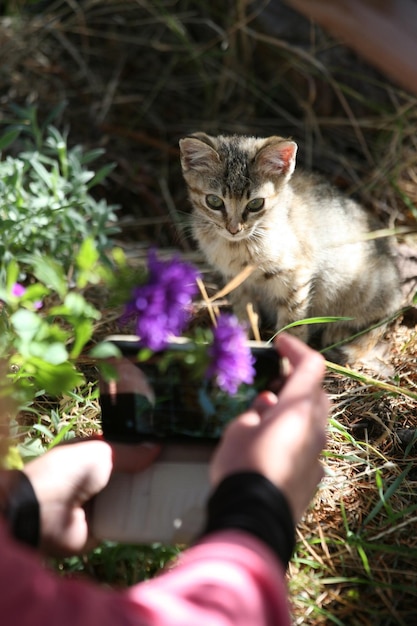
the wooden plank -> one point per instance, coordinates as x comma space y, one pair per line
382, 31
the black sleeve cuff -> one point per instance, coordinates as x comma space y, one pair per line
248, 501
20, 508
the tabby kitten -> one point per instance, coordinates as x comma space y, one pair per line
307, 242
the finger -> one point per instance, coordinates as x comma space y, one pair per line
305, 414
308, 367
249, 419
299, 354
298, 501
263, 401
130, 379
117, 456
321, 415
134, 458
323, 405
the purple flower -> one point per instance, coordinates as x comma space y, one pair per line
231, 359
161, 307
18, 290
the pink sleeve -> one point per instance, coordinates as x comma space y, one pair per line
228, 579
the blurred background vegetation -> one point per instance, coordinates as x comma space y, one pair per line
135, 76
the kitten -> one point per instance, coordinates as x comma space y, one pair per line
307, 241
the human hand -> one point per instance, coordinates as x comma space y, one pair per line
282, 436
67, 477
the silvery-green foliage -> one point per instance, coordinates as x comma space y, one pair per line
46, 205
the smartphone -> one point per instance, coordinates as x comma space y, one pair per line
163, 397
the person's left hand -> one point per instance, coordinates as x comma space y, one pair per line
67, 477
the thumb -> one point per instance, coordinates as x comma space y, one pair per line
134, 458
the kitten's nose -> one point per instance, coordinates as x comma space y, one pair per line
234, 229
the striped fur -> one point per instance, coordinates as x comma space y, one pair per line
307, 240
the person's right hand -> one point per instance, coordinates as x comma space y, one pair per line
282, 436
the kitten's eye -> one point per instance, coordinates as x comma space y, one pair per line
255, 205
214, 202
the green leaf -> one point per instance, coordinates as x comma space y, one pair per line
26, 324
87, 256
384, 496
101, 175
83, 330
119, 257
87, 262
78, 306
316, 320
105, 350
63, 432
34, 293
31, 449
41, 428
43, 173
56, 110
144, 354
56, 379
8, 138
13, 459
54, 353
49, 272
12, 274
365, 561
91, 155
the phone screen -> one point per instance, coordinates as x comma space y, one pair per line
163, 397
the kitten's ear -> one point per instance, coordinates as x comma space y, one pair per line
198, 153
277, 157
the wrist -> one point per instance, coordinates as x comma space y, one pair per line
19, 507
249, 501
